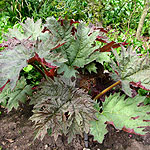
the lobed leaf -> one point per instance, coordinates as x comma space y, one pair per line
29, 29
123, 114
63, 108
11, 98
24, 47
131, 68
12, 61
79, 51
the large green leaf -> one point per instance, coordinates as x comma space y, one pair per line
63, 108
11, 98
79, 51
120, 112
131, 68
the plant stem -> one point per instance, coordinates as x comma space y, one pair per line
46, 71
107, 89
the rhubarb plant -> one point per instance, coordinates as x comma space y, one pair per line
48, 48
57, 50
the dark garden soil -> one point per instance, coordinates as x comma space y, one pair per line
17, 133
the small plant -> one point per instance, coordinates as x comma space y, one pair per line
4, 25
59, 51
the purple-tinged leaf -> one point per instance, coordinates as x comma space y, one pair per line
29, 45
128, 130
138, 84
116, 45
101, 39
1, 89
107, 47
10, 43
131, 69
100, 29
51, 72
12, 61
66, 110
41, 60
122, 114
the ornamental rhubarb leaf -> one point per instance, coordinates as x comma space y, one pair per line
63, 108
29, 29
61, 33
80, 51
123, 114
131, 68
12, 62
77, 44
11, 98
26, 46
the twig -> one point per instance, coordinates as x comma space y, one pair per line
106, 90
131, 17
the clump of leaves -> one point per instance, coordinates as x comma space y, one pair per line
58, 48
55, 44
23, 48
47, 48
79, 49
129, 69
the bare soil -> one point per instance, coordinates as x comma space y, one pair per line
17, 133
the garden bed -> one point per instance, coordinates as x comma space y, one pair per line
17, 133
